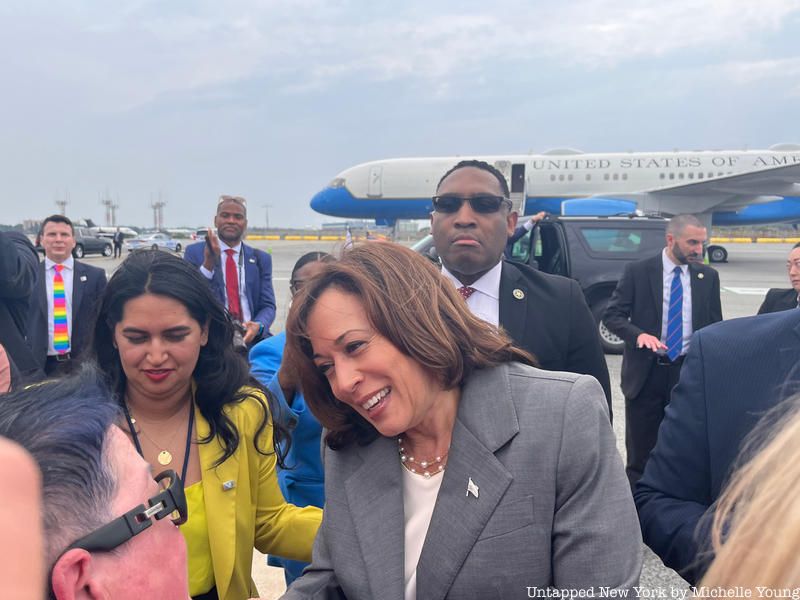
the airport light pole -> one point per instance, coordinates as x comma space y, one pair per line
266, 215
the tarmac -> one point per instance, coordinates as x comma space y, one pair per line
751, 270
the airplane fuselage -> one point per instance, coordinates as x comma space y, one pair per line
702, 182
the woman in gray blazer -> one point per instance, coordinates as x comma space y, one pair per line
453, 468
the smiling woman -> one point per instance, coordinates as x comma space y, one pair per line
468, 472
166, 347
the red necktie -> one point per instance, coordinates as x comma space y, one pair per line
466, 291
232, 286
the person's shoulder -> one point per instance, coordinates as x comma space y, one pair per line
89, 269
248, 411
774, 293
758, 330
538, 278
197, 246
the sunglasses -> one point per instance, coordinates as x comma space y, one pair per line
481, 203
171, 502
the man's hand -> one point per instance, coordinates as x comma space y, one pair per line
651, 342
211, 251
538, 217
251, 330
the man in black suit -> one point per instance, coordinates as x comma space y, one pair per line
659, 302
18, 264
82, 284
778, 299
546, 315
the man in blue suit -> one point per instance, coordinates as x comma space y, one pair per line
240, 276
734, 372
80, 286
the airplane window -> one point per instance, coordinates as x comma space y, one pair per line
561, 177
552, 177
680, 175
661, 176
605, 176
569, 177
672, 175
588, 177
691, 175
710, 175
720, 174
616, 176
625, 176
700, 175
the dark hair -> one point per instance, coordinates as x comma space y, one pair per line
64, 425
309, 257
483, 166
221, 374
678, 223
57, 219
408, 302
797, 245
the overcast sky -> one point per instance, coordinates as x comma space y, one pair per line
190, 99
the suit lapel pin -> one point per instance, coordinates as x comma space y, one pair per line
518, 294
229, 485
472, 488
83, 277
252, 260
700, 275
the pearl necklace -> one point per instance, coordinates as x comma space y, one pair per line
426, 468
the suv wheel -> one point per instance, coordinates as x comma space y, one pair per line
610, 342
78, 251
107, 251
154, 247
717, 254
177, 247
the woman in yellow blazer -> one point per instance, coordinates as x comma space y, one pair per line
166, 346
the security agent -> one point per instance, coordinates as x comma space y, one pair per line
544, 314
657, 305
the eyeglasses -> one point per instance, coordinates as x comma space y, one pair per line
482, 203
170, 500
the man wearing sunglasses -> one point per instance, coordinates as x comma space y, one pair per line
109, 527
545, 314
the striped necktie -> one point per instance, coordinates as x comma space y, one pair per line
60, 328
675, 317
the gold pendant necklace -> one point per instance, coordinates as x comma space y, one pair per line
164, 457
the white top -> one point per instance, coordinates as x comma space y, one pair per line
668, 274
246, 314
484, 302
67, 274
419, 498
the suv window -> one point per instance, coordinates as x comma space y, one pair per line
625, 241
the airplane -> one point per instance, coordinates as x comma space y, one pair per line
746, 187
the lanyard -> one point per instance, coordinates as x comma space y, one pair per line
188, 439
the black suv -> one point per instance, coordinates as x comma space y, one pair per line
591, 250
88, 243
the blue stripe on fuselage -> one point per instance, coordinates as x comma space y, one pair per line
339, 202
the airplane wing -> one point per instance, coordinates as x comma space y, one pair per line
726, 193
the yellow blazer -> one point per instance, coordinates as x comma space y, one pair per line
244, 506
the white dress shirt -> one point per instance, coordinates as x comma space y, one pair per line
668, 273
246, 314
485, 300
67, 274
419, 500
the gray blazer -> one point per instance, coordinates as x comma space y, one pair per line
554, 508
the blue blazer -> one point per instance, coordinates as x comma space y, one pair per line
257, 279
302, 483
734, 372
88, 284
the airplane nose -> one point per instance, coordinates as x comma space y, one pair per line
334, 201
